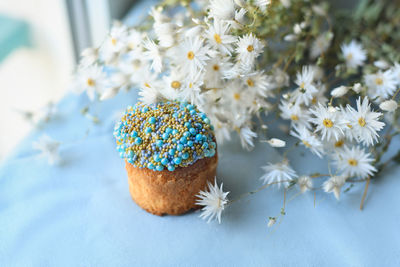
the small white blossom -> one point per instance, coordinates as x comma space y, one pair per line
222, 9
213, 200
90, 79
89, 56
293, 112
306, 89
321, 44
354, 54
219, 37
275, 142
364, 122
354, 162
271, 221
382, 64
152, 53
334, 184
49, 148
262, 4
381, 84
246, 137
357, 87
279, 173
339, 91
305, 183
309, 140
389, 105
248, 49
330, 122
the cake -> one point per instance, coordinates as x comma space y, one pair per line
170, 154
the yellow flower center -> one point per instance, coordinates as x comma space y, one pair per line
147, 85
190, 85
327, 123
302, 85
349, 56
339, 143
216, 67
352, 162
250, 48
175, 84
250, 82
236, 96
361, 121
379, 81
113, 41
90, 82
190, 55
217, 38
314, 100
294, 117
307, 144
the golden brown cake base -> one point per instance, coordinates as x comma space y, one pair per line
166, 192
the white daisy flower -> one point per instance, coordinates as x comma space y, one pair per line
219, 38
330, 121
248, 49
293, 112
215, 70
134, 39
381, 84
89, 56
354, 162
191, 90
91, 79
166, 33
389, 105
354, 54
279, 173
396, 72
191, 56
222, 9
246, 137
321, 44
304, 93
259, 82
153, 54
280, 79
334, 184
174, 82
116, 41
364, 122
309, 140
49, 148
305, 183
262, 4
239, 20
214, 201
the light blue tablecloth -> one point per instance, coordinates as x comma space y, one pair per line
80, 213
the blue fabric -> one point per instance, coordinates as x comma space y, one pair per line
13, 34
80, 213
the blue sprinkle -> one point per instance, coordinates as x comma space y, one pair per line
156, 158
171, 168
152, 120
164, 161
192, 131
190, 107
183, 140
192, 112
185, 155
148, 130
187, 124
134, 134
130, 154
186, 134
207, 120
159, 143
199, 137
168, 130
205, 145
138, 140
165, 136
177, 160
150, 166
175, 131
159, 167
180, 147
171, 151
212, 152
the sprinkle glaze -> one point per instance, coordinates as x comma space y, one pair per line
164, 135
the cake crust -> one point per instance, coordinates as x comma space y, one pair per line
166, 192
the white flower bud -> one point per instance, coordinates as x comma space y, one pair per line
290, 38
304, 183
357, 88
109, 93
339, 91
382, 64
275, 142
297, 28
271, 221
389, 105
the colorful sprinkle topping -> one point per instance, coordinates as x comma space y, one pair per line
164, 135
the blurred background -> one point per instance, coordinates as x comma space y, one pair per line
40, 43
